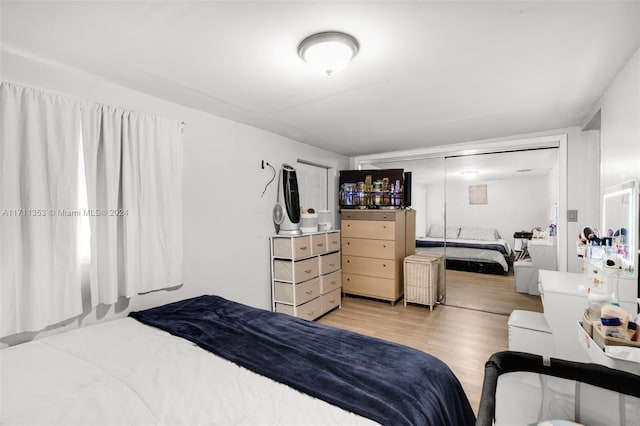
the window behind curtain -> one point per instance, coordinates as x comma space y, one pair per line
312, 184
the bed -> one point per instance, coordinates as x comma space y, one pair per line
208, 360
468, 248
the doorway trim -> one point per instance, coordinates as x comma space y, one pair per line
484, 147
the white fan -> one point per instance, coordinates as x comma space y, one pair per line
278, 214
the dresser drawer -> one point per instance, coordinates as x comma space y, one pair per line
329, 263
318, 244
372, 229
379, 249
296, 294
292, 247
388, 216
383, 268
330, 282
333, 241
310, 310
380, 288
295, 271
331, 300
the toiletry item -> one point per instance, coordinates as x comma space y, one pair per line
612, 327
613, 311
632, 331
596, 302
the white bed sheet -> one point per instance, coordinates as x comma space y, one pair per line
123, 372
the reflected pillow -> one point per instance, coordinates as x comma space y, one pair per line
437, 231
473, 233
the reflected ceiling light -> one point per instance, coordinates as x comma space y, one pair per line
470, 174
328, 51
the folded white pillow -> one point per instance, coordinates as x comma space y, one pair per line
473, 233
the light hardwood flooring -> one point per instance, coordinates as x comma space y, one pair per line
488, 292
463, 338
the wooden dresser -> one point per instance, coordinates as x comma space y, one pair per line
305, 274
374, 245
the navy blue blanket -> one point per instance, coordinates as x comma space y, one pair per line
486, 246
383, 381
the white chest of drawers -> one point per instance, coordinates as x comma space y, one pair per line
306, 276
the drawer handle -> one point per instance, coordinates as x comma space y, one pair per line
333, 282
334, 242
303, 248
384, 265
307, 271
348, 261
309, 292
319, 244
348, 279
348, 225
384, 226
332, 264
348, 243
332, 301
311, 313
384, 216
384, 246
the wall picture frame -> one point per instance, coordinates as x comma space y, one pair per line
478, 194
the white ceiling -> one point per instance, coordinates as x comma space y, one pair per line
427, 74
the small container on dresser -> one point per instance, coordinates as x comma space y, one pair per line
305, 274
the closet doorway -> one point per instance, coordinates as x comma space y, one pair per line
500, 191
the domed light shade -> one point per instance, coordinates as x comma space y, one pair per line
328, 51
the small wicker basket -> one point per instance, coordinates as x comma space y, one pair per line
421, 276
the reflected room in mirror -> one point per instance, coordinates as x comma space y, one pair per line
620, 225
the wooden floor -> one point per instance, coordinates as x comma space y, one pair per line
488, 292
463, 338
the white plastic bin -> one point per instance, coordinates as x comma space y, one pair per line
526, 277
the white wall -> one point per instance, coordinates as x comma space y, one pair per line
419, 194
512, 205
226, 222
620, 126
435, 208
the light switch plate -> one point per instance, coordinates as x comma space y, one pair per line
572, 215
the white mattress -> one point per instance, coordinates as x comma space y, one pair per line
125, 373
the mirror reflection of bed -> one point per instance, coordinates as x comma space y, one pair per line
469, 208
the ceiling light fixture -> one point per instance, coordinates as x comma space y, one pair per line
328, 51
469, 174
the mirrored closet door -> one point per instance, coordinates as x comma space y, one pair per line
479, 211
494, 204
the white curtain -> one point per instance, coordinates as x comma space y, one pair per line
133, 165
39, 151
